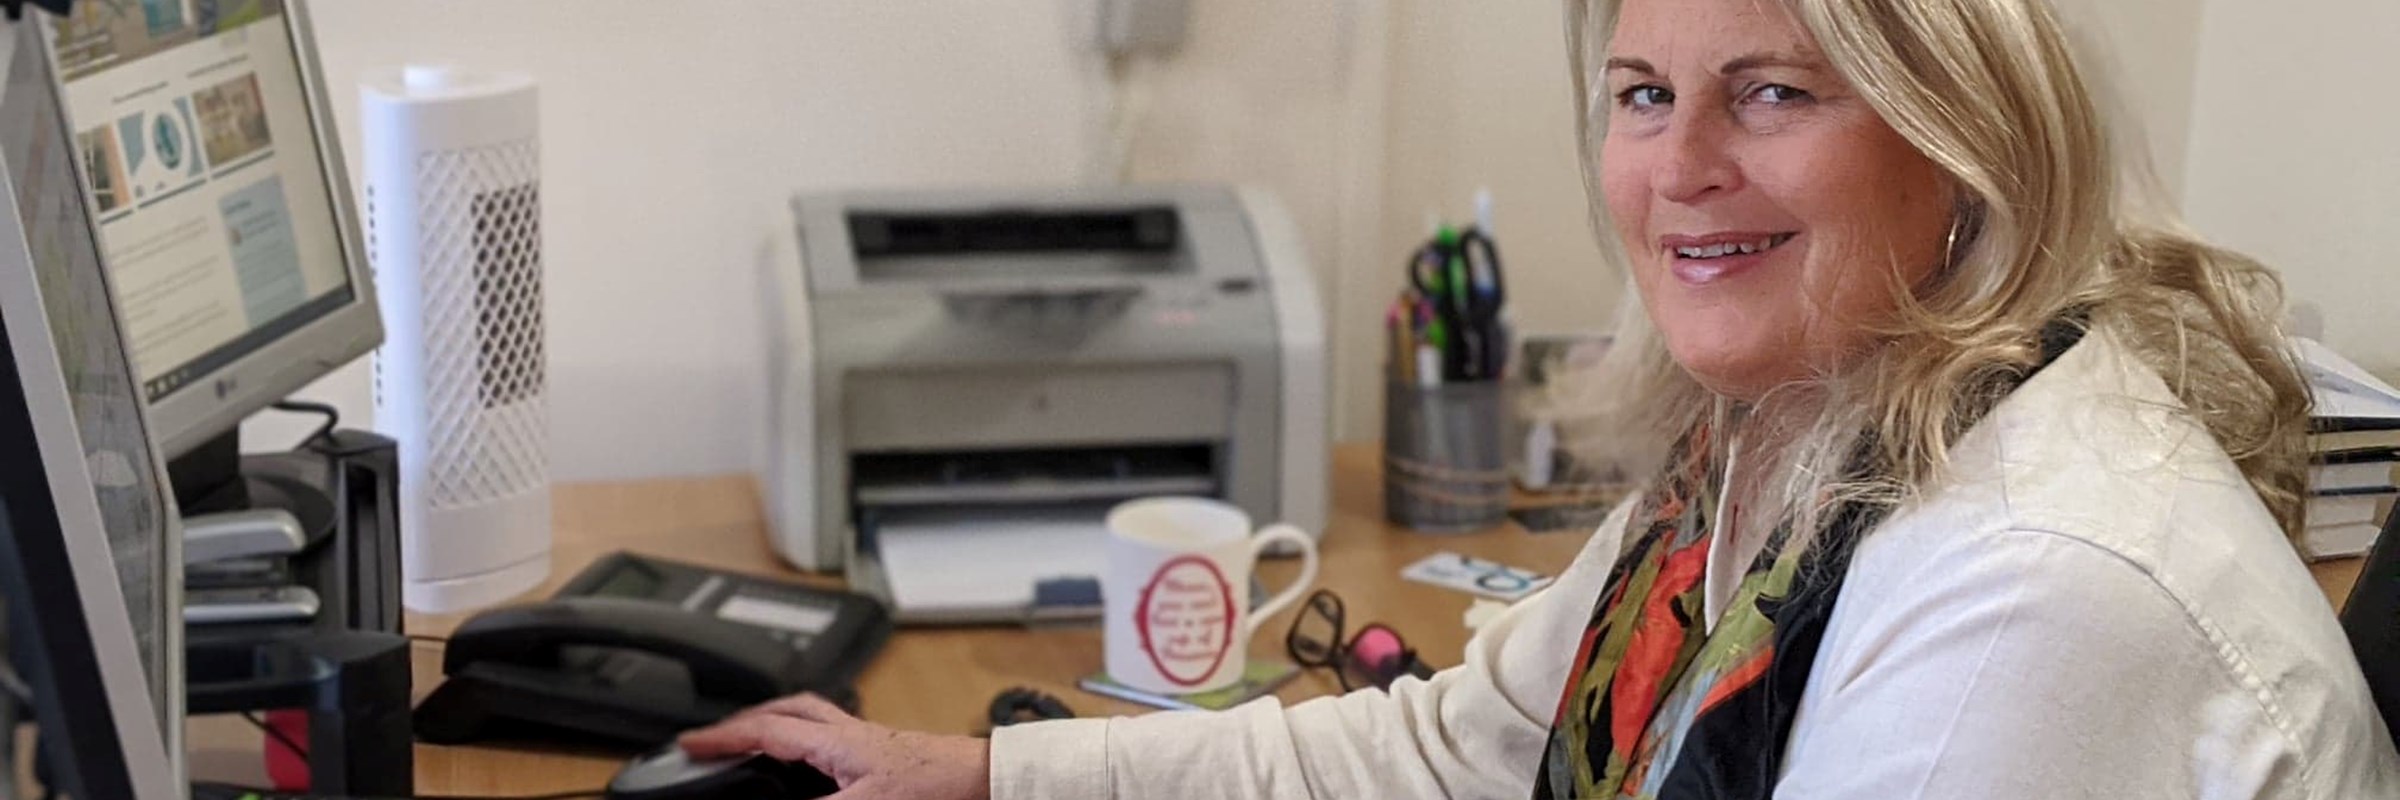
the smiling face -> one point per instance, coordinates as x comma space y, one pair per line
1767, 209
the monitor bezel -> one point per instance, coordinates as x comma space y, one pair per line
68, 610
216, 403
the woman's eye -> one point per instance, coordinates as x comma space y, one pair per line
1776, 94
1645, 97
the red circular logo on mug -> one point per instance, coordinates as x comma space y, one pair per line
1186, 619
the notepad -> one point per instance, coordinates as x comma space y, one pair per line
2341, 388
1259, 679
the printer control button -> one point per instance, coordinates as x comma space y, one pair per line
1237, 285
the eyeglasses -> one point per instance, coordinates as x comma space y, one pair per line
1318, 640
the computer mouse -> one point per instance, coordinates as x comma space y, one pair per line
669, 774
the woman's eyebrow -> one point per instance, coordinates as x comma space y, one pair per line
1632, 64
1772, 59
1738, 64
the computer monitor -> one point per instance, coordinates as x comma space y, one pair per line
2371, 617
212, 167
90, 550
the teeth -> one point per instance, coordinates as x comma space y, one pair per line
1722, 250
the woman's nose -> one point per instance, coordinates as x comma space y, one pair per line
1697, 162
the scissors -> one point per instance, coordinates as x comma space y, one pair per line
1459, 271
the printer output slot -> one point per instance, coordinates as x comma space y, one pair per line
1027, 477
1145, 229
942, 247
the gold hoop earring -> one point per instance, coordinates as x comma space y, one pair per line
1950, 244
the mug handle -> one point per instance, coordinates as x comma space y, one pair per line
1290, 594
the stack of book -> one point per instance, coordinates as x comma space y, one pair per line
2354, 450
2350, 490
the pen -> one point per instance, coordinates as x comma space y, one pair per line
1430, 344
1455, 277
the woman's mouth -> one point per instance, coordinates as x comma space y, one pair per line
1699, 261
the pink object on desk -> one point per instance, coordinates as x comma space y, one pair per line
1378, 650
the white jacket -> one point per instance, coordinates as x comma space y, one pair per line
2093, 604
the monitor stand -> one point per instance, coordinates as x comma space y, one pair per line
342, 488
214, 478
349, 669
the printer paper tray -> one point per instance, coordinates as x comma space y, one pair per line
1035, 491
947, 565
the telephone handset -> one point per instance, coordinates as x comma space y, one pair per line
635, 650
729, 660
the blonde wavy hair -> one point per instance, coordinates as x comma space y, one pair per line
1990, 91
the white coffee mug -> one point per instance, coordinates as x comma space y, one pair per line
1177, 592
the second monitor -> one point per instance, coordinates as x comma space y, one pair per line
218, 189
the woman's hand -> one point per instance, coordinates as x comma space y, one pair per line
870, 761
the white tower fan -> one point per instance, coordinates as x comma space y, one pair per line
453, 216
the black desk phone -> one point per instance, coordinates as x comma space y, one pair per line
635, 650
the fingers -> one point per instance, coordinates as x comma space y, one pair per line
739, 735
781, 737
808, 707
781, 728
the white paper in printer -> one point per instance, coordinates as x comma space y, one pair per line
943, 563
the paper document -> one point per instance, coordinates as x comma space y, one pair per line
2342, 388
1476, 576
2339, 541
980, 562
2325, 511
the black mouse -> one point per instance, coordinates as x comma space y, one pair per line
668, 774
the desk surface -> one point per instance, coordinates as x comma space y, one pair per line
941, 679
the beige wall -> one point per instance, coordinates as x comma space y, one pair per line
1259, 95
671, 141
2142, 54
2295, 156
1364, 114
1479, 98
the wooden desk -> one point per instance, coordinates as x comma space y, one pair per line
939, 679
942, 679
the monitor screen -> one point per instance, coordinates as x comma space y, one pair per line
207, 177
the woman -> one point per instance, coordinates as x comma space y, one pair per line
1972, 486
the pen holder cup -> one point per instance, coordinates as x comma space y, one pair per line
1443, 468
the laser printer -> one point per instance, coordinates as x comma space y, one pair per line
963, 381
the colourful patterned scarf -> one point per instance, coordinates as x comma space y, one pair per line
1658, 707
